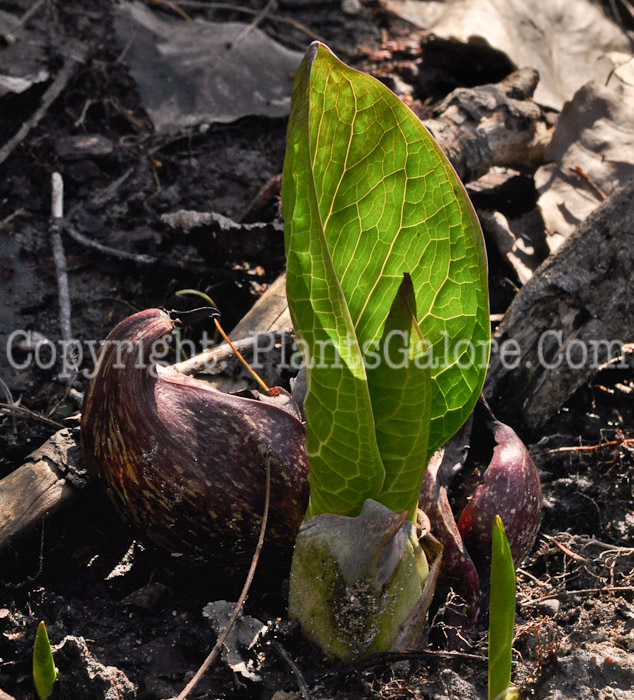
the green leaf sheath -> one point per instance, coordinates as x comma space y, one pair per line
44, 673
401, 400
367, 197
501, 613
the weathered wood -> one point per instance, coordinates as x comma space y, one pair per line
51, 478
269, 313
489, 125
579, 302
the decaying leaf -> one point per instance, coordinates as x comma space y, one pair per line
592, 152
237, 650
196, 72
567, 41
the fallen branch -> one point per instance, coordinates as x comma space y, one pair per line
49, 479
489, 125
572, 317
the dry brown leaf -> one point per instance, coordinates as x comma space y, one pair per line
196, 72
567, 41
593, 153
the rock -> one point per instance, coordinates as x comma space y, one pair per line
84, 676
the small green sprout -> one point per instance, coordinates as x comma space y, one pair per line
44, 671
501, 616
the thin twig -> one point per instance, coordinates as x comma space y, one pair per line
581, 591
394, 656
589, 448
9, 35
606, 546
10, 402
565, 550
23, 412
255, 21
615, 12
54, 91
261, 383
584, 176
57, 214
301, 681
107, 250
279, 19
194, 266
5, 222
243, 596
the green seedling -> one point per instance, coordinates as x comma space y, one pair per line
44, 671
387, 288
501, 616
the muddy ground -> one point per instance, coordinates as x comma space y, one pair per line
129, 620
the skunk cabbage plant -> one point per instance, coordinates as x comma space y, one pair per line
387, 288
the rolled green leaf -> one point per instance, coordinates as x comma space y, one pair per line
368, 197
501, 614
44, 671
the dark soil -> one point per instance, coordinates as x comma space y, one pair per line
128, 619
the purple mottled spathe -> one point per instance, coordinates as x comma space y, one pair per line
185, 462
509, 488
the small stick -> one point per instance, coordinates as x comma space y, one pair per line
107, 250
565, 550
581, 591
14, 409
395, 656
254, 374
590, 448
255, 21
243, 596
9, 35
57, 214
584, 175
279, 19
301, 681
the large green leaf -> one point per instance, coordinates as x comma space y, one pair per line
368, 196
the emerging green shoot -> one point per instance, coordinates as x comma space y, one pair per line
501, 614
386, 283
44, 671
